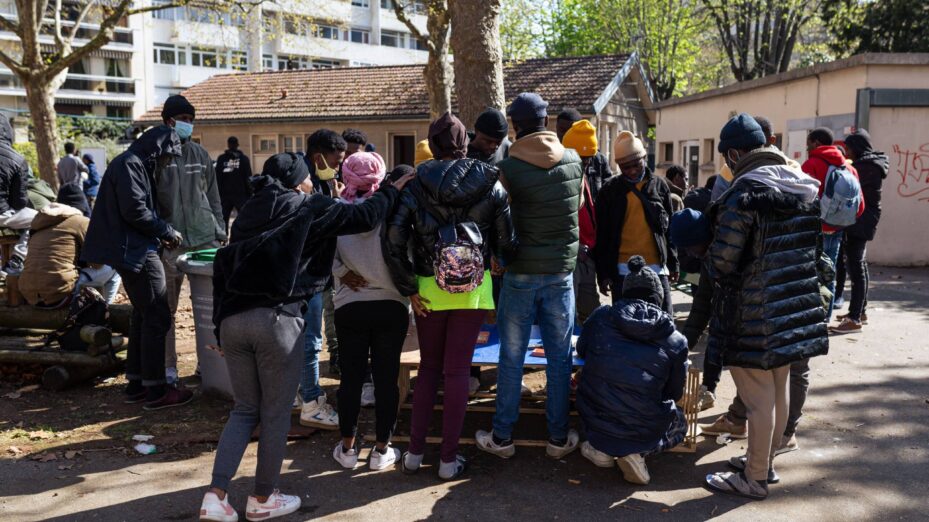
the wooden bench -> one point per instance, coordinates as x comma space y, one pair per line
486, 354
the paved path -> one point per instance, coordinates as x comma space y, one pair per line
864, 440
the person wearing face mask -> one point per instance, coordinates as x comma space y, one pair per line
633, 213
281, 254
188, 199
127, 233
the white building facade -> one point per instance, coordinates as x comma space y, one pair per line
164, 52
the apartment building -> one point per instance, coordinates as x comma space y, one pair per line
165, 52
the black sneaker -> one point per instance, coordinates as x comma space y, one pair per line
14, 266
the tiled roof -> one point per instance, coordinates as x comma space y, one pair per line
389, 92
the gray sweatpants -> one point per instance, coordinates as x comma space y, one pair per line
799, 386
263, 348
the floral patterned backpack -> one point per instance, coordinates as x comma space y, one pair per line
459, 261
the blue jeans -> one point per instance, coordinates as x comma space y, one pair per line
549, 298
104, 277
831, 244
309, 380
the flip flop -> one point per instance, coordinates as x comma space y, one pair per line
722, 482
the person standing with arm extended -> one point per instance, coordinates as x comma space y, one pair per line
543, 180
447, 281
281, 255
126, 232
188, 199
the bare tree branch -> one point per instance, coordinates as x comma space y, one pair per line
103, 37
13, 65
7, 25
80, 19
59, 39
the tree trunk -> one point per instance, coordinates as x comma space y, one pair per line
478, 57
40, 96
438, 73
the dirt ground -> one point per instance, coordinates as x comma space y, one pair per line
864, 452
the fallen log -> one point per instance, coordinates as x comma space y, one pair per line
52, 357
57, 378
29, 317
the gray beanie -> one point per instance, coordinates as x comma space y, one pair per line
642, 282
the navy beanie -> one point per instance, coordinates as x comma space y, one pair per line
690, 227
741, 132
175, 105
527, 106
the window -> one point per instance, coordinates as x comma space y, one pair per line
709, 150
267, 62
417, 44
325, 64
387, 4
237, 17
267, 144
204, 57
116, 68
292, 143
287, 63
239, 60
295, 26
327, 32
167, 54
118, 112
361, 3
667, 153
392, 38
174, 13
356, 35
197, 14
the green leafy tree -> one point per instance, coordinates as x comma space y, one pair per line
883, 26
524, 28
664, 33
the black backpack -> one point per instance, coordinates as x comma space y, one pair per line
89, 308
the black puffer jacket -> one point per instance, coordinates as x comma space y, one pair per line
466, 189
764, 262
14, 171
872, 170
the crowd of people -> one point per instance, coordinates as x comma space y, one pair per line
530, 232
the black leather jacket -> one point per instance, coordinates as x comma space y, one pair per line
465, 189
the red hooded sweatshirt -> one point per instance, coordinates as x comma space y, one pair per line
818, 165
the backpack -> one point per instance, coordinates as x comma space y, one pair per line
841, 197
459, 260
88, 309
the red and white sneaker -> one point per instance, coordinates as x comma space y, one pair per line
277, 505
217, 510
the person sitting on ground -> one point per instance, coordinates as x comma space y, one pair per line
92, 183
53, 274
635, 368
451, 197
371, 319
281, 254
769, 314
126, 233
16, 213
677, 182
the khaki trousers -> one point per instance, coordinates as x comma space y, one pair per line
767, 400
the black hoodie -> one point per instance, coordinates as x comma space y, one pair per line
14, 172
283, 243
125, 225
872, 170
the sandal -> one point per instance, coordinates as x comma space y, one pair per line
736, 484
738, 464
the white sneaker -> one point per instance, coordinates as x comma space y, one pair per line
524, 390
277, 505
298, 404
378, 461
485, 441
347, 459
367, 395
634, 469
706, 399
318, 414
599, 458
473, 385
558, 452
212, 508
171, 375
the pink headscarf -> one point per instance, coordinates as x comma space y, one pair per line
362, 171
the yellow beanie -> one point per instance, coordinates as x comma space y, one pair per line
582, 137
726, 172
423, 153
627, 147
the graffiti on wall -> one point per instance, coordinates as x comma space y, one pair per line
912, 168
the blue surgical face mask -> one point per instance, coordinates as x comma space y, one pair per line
183, 129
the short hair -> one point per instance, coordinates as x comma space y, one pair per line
711, 181
232, 140
822, 135
570, 114
355, 136
325, 141
766, 126
674, 171
531, 123
69, 148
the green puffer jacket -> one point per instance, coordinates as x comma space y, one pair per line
543, 180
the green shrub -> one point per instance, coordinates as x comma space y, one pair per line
28, 151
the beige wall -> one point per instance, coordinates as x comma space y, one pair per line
902, 235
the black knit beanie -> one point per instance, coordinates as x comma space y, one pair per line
288, 168
175, 105
492, 123
642, 282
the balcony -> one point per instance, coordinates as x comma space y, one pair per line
99, 84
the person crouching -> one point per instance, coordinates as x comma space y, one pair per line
635, 367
